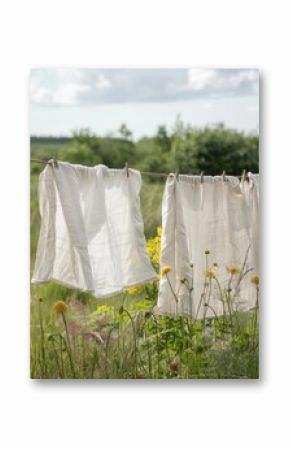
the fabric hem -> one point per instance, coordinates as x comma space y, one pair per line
108, 295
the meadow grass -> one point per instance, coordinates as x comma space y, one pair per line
126, 340
74, 335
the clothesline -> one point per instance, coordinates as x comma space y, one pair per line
148, 173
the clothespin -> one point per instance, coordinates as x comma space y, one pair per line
243, 176
177, 175
224, 176
53, 162
127, 169
201, 176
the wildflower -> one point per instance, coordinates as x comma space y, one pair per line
133, 291
233, 270
154, 247
210, 274
60, 307
103, 310
164, 270
207, 251
255, 279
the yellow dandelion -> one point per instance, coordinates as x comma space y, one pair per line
164, 270
210, 274
60, 307
255, 279
233, 270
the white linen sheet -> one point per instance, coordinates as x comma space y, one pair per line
92, 232
209, 228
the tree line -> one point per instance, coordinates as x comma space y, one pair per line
184, 148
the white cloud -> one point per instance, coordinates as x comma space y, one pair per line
244, 76
68, 94
40, 95
102, 82
81, 87
199, 79
222, 80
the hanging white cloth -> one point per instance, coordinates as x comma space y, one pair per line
92, 232
209, 229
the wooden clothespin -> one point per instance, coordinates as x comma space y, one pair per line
127, 169
224, 176
53, 162
243, 177
201, 176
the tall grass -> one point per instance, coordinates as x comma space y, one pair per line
124, 338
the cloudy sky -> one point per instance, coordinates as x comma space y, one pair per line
62, 100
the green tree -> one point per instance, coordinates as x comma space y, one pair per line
125, 132
162, 139
216, 149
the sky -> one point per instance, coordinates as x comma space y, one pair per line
64, 99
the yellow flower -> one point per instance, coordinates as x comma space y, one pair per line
164, 270
210, 274
60, 307
233, 270
133, 291
255, 279
154, 247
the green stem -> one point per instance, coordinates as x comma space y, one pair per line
42, 339
134, 339
68, 345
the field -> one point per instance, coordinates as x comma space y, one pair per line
74, 335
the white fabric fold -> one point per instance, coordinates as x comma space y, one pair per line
216, 217
92, 232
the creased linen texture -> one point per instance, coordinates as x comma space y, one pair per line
92, 232
217, 216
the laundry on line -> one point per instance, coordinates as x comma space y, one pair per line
92, 235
